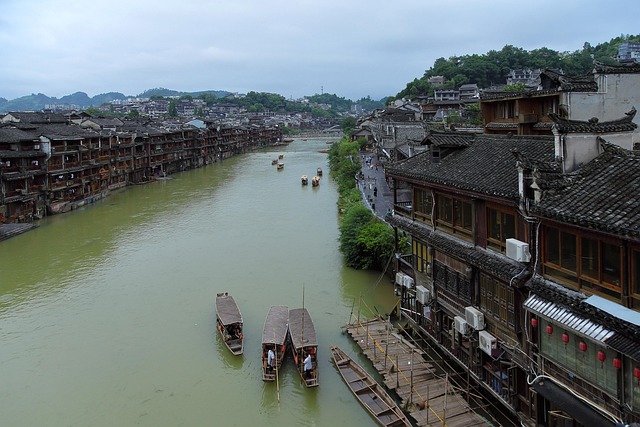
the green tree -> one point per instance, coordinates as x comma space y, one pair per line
172, 110
348, 124
133, 113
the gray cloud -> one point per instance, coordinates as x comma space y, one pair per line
353, 48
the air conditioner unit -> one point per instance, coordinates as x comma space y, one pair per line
423, 295
407, 282
400, 279
461, 325
518, 251
36, 147
474, 317
487, 342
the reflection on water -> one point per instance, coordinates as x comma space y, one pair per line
107, 313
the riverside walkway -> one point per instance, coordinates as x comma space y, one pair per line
376, 193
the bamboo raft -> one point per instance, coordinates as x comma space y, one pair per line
429, 399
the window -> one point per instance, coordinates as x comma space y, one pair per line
500, 227
497, 300
507, 110
454, 216
599, 266
423, 204
420, 256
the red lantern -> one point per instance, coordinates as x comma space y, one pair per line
602, 356
549, 329
582, 346
617, 363
636, 373
565, 338
534, 322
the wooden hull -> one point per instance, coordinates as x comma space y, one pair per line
370, 394
274, 336
229, 323
303, 341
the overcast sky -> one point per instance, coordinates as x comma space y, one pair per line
353, 48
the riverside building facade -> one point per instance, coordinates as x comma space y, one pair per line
523, 263
50, 163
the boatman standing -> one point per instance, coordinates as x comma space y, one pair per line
307, 365
270, 358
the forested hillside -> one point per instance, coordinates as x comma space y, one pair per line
492, 68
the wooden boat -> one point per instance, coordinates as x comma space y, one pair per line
229, 322
274, 161
370, 394
304, 179
319, 172
315, 181
274, 336
303, 342
281, 156
280, 165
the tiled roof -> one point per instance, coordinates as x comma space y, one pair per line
499, 125
624, 124
601, 195
12, 134
487, 166
39, 117
486, 260
450, 139
553, 80
617, 69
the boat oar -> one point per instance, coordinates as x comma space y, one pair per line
276, 361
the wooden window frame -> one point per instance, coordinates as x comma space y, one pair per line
422, 204
452, 226
499, 245
577, 279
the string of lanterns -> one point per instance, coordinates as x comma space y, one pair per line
582, 346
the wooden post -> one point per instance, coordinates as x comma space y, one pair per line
386, 351
444, 406
411, 389
367, 334
397, 372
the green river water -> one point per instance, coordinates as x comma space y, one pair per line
107, 313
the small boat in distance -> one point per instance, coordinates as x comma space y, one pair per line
229, 322
304, 179
274, 161
303, 341
370, 394
274, 335
319, 172
280, 165
315, 181
281, 156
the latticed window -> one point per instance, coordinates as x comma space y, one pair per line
423, 204
497, 300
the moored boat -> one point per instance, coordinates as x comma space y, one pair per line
315, 181
319, 172
304, 343
280, 165
274, 161
370, 394
274, 335
229, 323
304, 179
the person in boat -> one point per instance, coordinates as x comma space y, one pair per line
271, 358
308, 367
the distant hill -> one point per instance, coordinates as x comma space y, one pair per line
37, 102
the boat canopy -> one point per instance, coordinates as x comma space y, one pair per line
299, 318
275, 325
227, 310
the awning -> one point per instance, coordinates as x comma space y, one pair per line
567, 317
579, 410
